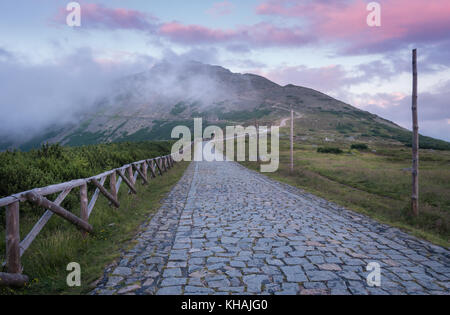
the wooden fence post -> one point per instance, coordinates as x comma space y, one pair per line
84, 203
144, 170
158, 165
151, 164
112, 185
415, 142
13, 238
257, 141
165, 163
130, 174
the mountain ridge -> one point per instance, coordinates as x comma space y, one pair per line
147, 105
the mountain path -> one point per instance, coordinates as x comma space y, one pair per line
283, 122
225, 229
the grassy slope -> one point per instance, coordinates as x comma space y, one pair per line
373, 183
61, 243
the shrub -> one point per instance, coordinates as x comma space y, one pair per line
360, 146
53, 164
332, 150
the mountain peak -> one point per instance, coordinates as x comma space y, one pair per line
148, 105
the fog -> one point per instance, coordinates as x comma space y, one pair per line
35, 97
172, 81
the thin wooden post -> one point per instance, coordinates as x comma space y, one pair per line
113, 184
13, 238
257, 141
157, 163
415, 142
292, 140
151, 164
163, 164
144, 170
166, 166
131, 175
84, 203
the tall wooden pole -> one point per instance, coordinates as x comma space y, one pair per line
257, 140
292, 140
415, 142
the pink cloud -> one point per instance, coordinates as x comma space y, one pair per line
334, 78
99, 16
266, 34
403, 21
262, 34
259, 35
324, 79
433, 118
194, 34
221, 8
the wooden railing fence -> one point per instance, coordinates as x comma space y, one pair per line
15, 247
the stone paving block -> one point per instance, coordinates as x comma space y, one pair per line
197, 290
173, 281
294, 274
321, 275
177, 290
254, 282
122, 271
172, 272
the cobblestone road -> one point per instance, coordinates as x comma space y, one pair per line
227, 230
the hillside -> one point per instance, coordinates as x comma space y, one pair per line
146, 106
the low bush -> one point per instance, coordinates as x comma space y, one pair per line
359, 146
332, 150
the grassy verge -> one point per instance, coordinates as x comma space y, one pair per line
375, 182
61, 243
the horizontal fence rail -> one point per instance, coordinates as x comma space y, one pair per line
128, 174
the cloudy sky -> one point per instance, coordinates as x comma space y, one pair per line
323, 44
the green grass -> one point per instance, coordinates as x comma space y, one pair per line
375, 183
61, 243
